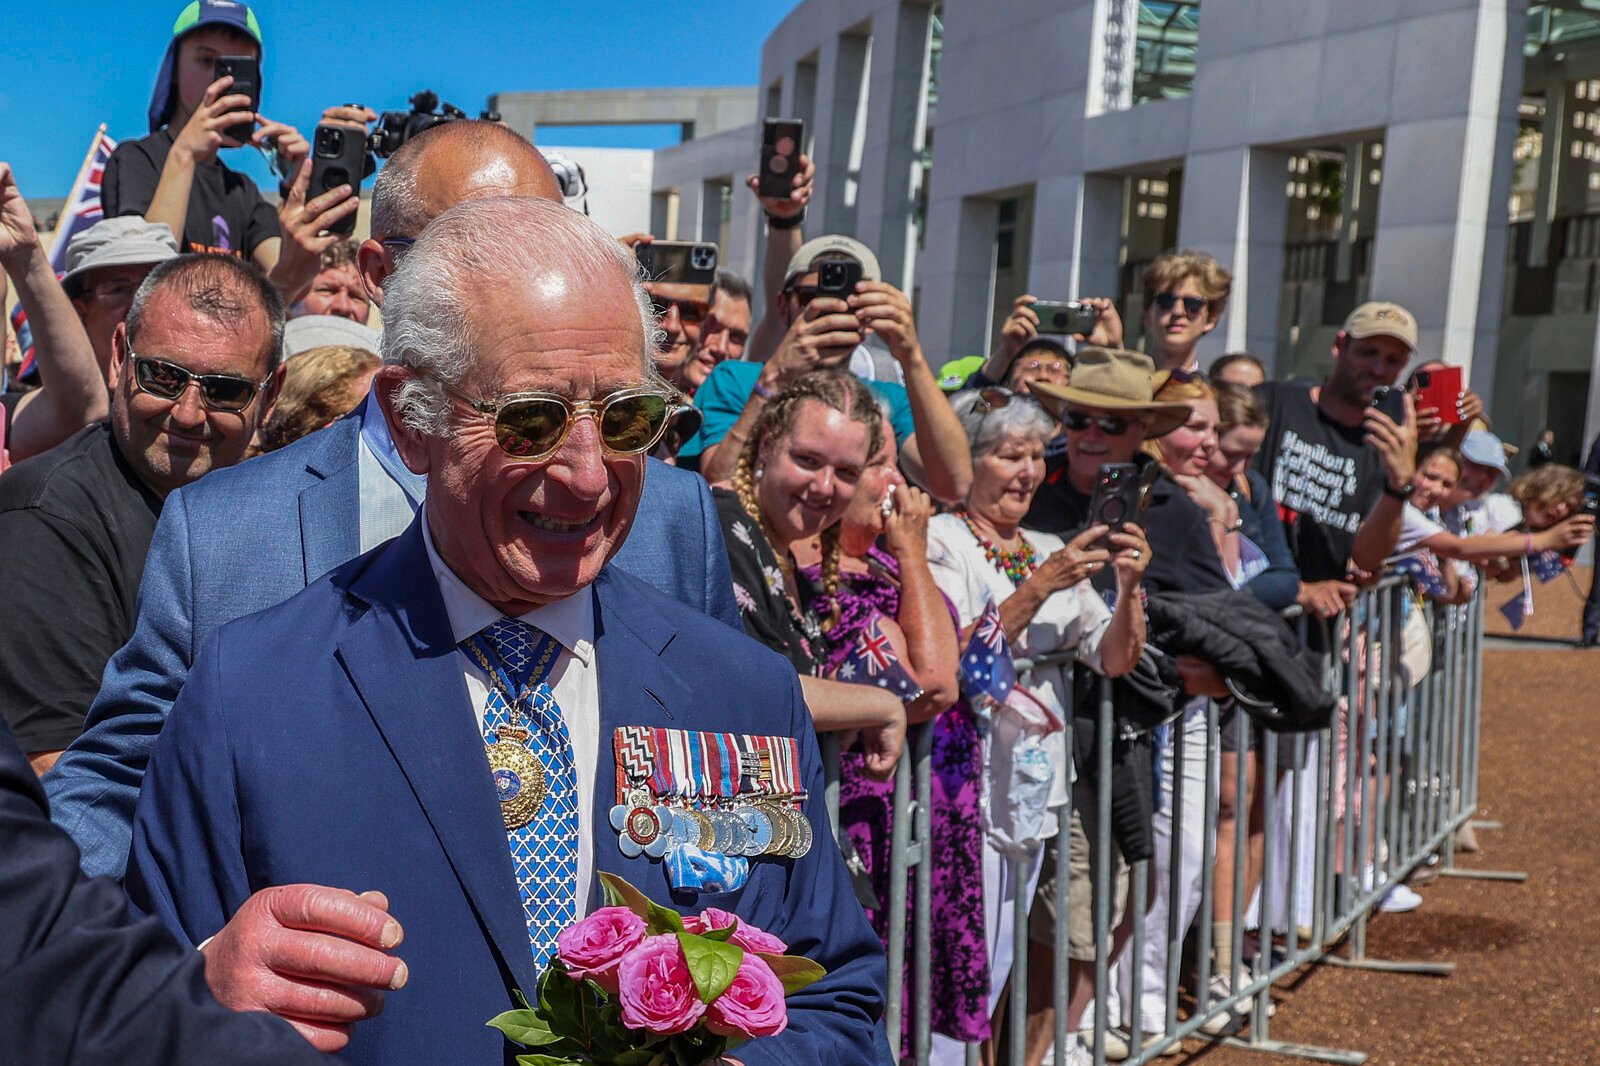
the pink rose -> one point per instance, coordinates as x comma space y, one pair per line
594, 947
656, 991
746, 935
753, 1005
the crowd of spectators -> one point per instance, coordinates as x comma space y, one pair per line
857, 497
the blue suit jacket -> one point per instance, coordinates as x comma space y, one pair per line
331, 740
246, 538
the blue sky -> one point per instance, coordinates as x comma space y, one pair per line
64, 72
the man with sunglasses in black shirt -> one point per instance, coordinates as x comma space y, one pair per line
194, 370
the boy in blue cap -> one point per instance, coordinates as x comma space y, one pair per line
174, 176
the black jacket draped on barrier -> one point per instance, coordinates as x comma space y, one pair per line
1278, 680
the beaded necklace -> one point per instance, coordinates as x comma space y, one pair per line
1017, 565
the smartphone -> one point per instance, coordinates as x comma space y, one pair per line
1392, 402
338, 156
1441, 390
246, 82
837, 277
1590, 504
1065, 318
1117, 493
780, 156
679, 270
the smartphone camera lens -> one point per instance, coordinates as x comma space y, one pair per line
703, 258
330, 142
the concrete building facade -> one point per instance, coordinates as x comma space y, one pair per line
1444, 154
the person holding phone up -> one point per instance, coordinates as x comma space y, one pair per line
173, 175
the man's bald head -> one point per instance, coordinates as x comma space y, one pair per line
467, 159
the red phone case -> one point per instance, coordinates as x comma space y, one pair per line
1442, 393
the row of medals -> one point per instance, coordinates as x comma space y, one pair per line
750, 827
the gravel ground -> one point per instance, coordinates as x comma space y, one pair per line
1527, 983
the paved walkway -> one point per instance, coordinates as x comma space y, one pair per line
1527, 983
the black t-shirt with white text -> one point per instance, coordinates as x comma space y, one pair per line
1324, 476
75, 523
226, 210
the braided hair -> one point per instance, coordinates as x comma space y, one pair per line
841, 391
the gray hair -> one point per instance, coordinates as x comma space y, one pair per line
473, 246
987, 426
223, 288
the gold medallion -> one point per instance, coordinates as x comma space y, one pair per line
518, 782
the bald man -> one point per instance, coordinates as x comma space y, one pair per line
229, 546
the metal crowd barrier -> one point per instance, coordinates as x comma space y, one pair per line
1380, 791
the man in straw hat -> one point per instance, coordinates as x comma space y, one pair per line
1109, 410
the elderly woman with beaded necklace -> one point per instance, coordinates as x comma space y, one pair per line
1041, 586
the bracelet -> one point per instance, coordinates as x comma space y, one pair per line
1235, 528
762, 391
774, 222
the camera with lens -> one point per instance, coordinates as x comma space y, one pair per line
395, 128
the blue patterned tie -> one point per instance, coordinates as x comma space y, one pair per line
545, 851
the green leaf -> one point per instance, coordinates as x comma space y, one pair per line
712, 965
547, 1060
720, 935
658, 920
516, 994
524, 1027
794, 971
561, 1002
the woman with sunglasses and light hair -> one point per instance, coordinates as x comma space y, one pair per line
793, 481
981, 554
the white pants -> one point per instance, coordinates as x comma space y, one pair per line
1190, 776
1000, 920
1297, 788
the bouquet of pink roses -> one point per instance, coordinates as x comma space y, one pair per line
636, 984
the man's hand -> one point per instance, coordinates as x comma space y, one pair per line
292, 148
1396, 444
302, 225
1021, 326
1200, 678
18, 239
1107, 332
316, 957
349, 115
1326, 598
906, 531
201, 136
793, 204
885, 310
823, 335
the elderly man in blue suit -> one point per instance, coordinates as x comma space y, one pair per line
228, 546
444, 718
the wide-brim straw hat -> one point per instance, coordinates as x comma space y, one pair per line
1113, 379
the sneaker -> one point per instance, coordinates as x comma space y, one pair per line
1399, 900
1075, 1055
1116, 1044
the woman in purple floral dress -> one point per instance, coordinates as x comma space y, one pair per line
883, 575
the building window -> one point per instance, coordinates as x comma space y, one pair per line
1165, 41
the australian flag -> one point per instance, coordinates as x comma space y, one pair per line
872, 662
82, 210
987, 674
1424, 570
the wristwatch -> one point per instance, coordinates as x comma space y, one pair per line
1399, 494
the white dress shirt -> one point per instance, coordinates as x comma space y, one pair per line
389, 493
574, 681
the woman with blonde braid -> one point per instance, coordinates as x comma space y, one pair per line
793, 481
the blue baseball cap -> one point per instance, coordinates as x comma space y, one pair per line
193, 17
